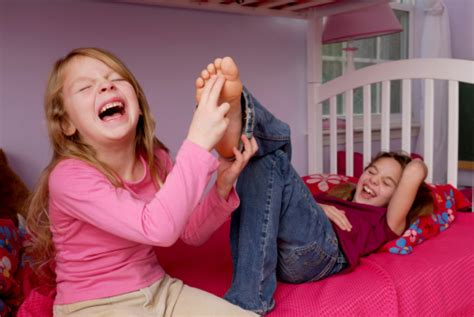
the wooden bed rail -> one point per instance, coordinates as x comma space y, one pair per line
427, 70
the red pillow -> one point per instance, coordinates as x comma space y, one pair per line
10, 244
321, 183
447, 200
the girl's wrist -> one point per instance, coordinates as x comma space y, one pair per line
224, 191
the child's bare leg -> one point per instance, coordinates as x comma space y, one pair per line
231, 93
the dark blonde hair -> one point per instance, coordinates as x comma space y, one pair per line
423, 204
73, 147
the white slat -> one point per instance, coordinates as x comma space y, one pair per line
349, 101
385, 113
453, 123
367, 124
428, 130
333, 134
406, 115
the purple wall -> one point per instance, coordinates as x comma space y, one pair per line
165, 48
461, 14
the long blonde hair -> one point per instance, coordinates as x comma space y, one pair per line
423, 204
72, 146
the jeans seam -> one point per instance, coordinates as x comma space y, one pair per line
268, 206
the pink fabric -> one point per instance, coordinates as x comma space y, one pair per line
38, 303
103, 235
436, 279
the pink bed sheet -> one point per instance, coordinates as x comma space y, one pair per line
437, 279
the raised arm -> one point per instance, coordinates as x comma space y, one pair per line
413, 176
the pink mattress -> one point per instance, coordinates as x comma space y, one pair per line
436, 279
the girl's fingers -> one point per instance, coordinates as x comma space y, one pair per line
223, 108
250, 146
339, 217
207, 88
253, 141
215, 90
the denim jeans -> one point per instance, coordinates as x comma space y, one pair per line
278, 231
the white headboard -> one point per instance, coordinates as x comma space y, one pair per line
451, 70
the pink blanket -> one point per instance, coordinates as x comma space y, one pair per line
435, 280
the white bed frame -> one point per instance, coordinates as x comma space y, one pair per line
451, 70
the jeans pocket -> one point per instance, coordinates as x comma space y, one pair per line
304, 264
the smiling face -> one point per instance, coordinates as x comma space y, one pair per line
101, 105
378, 182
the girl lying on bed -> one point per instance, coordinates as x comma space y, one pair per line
280, 232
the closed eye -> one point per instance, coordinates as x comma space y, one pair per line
371, 170
84, 88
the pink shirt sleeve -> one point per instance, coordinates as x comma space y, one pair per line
211, 212
83, 192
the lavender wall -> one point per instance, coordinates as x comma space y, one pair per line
461, 21
165, 48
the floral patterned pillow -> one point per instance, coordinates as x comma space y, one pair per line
447, 200
322, 183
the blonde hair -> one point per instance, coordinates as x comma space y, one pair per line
72, 146
423, 204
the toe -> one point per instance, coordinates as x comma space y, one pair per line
199, 83
211, 69
205, 74
218, 62
229, 68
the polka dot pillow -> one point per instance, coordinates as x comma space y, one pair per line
447, 200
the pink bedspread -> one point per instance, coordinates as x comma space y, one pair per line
437, 279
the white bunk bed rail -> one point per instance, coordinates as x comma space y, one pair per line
427, 70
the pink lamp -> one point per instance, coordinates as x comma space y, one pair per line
367, 22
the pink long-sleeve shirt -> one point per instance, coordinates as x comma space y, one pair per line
104, 236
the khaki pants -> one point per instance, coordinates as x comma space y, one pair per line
167, 297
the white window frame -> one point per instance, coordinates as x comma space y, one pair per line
395, 118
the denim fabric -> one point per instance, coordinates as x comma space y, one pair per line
278, 231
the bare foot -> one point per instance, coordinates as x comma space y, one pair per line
231, 93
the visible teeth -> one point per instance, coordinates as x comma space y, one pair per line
368, 190
111, 105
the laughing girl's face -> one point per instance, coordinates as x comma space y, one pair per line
101, 105
378, 182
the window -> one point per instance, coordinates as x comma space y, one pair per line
371, 51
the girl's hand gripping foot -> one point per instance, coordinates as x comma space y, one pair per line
209, 120
228, 171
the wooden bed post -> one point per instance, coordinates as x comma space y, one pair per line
314, 78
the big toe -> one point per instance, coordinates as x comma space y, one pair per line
229, 68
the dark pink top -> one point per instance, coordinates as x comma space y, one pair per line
369, 232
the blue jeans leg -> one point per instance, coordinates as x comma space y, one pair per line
278, 229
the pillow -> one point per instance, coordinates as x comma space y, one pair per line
10, 244
447, 200
322, 183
